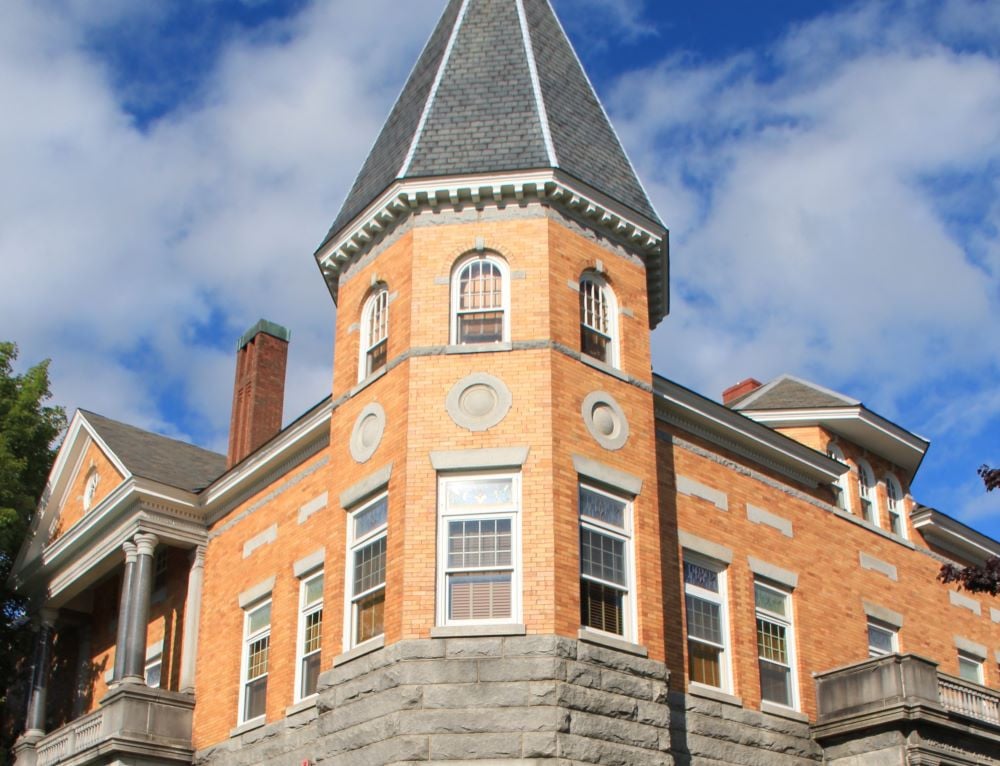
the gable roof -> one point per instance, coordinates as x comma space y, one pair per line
789, 392
159, 458
498, 88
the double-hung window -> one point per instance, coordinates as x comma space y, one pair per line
775, 644
598, 319
256, 650
606, 602
366, 571
310, 638
840, 485
479, 581
866, 488
894, 496
374, 333
707, 628
970, 667
479, 300
882, 639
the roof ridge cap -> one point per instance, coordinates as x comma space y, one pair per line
432, 93
536, 85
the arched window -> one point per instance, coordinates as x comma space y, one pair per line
374, 332
598, 319
840, 485
479, 300
894, 494
866, 488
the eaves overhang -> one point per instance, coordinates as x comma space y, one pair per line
550, 186
732, 431
952, 535
857, 424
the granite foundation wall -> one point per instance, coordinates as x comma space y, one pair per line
501, 700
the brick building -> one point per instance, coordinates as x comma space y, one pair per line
501, 539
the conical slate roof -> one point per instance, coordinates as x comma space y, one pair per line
498, 88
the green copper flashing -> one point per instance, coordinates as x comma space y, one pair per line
271, 328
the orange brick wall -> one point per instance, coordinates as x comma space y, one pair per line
109, 478
829, 621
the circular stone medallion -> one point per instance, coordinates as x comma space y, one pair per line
605, 420
478, 401
367, 433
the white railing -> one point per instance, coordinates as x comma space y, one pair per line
969, 699
70, 739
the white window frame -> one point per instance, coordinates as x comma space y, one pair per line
354, 545
834, 452
787, 621
448, 514
722, 600
895, 505
456, 281
374, 329
307, 610
975, 661
625, 535
891, 630
606, 302
90, 488
868, 491
248, 640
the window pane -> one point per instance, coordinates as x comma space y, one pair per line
369, 566
257, 657
255, 702
970, 670
310, 674
480, 327
313, 633
371, 518
895, 523
377, 357
592, 343
482, 493
369, 615
879, 641
480, 286
701, 577
602, 556
153, 674
604, 508
705, 664
769, 600
704, 619
601, 607
772, 641
479, 543
314, 590
259, 619
775, 683
482, 596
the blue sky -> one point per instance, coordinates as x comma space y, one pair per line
830, 173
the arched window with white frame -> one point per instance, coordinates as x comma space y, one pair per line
866, 489
894, 497
840, 485
598, 319
480, 300
374, 332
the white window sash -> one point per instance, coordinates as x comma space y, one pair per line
787, 622
456, 297
249, 639
306, 610
721, 600
630, 617
354, 546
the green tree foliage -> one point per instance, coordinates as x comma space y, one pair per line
28, 430
984, 578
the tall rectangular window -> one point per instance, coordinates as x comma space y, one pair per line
310, 637
882, 639
366, 570
478, 549
605, 562
774, 644
707, 625
256, 650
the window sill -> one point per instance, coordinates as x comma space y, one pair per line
602, 639
243, 728
362, 385
604, 367
478, 348
372, 645
477, 631
707, 692
772, 708
309, 703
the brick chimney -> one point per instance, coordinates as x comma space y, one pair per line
742, 388
259, 393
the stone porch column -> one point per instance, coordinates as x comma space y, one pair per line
192, 616
142, 590
35, 723
124, 607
